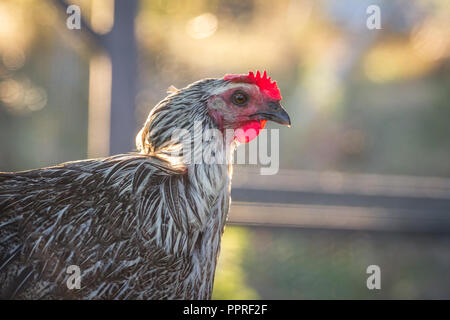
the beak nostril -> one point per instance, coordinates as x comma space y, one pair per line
274, 105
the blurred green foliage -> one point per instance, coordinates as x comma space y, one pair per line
324, 264
230, 281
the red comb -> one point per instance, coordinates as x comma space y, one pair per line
264, 83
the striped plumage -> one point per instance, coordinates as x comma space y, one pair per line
139, 226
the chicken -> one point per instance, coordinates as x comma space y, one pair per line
144, 225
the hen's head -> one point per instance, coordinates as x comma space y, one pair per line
242, 103
245, 103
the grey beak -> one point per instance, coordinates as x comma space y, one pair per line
275, 113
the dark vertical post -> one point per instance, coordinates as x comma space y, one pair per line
120, 44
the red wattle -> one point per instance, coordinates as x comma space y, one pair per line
249, 131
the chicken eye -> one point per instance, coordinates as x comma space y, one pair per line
240, 98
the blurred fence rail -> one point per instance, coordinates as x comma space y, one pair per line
332, 200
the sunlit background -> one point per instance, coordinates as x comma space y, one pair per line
365, 168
